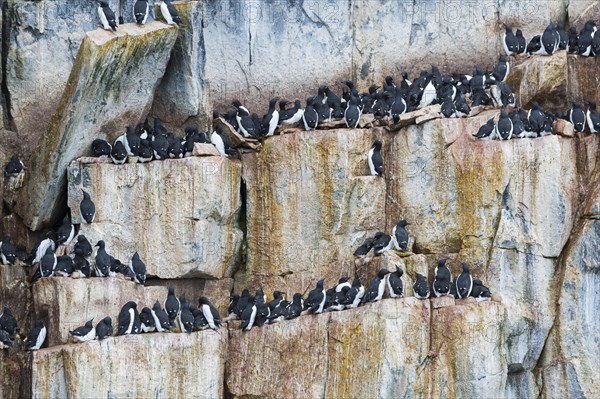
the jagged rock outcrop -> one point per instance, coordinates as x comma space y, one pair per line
178, 366
111, 86
542, 79
180, 215
182, 93
42, 41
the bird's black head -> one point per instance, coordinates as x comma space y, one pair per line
277, 294
477, 282
203, 301
377, 145
49, 251
508, 28
465, 268
131, 305
442, 262
320, 283
399, 271
100, 244
103, 3
378, 235
343, 280
107, 320
383, 272
297, 297
403, 223
39, 323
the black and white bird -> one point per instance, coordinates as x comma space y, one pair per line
186, 318
573, 45
510, 43
577, 117
536, 118
64, 266
129, 320
118, 154
8, 323
375, 159
364, 249
104, 328
107, 16
83, 246
84, 333
421, 287
586, 37
271, 119
5, 340
249, 314
14, 167
382, 243
138, 268
87, 208
355, 294
550, 39
290, 116
521, 42
66, 232
8, 253
101, 148
400, 236
295, 308
310, 116
147, 320
464, 282
48, 263
218, 139
342, 282
36, 337
161, 318
502, 69
315, 302
487, 131
277, 307
210, 313
102, 261
169, 13
376, 288
172, 305
352, 113
40, 249
504, 126
442, 279
480, 292
593, 117
140, 11
394, 282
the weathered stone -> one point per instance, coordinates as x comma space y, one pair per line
564, 128
146, 365
310, 198
373, 351
43, 38
15, 293
182, 97
572, 351
185, 211
203, 150
555, 81
70, 302
467, 357
106, 92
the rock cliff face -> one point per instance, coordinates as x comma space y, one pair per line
523, 213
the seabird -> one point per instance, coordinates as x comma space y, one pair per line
352, 114
161, 318
48, 263
249, 314
485, 131
364, 249
383, 243
102, 261
271, 119
509, 41
296, 307
310, 117
504, 126
400, 236
66, 232
421, 287
87, 208
104, 328
375, 159
172, 304
442, 279
355, 294
577, 117
8, 254
84, 333
394, 282
13, 167
107, 16
36, 337
129, 320
138, 268
593, 117
210, 313
170, 13
140, 11
315, 302
464, 282
376, 288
